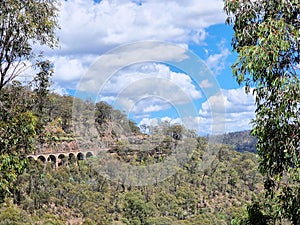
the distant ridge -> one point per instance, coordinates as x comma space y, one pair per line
241, 141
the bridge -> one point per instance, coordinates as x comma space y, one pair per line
64, 153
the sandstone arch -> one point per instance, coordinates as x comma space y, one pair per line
41, 158
61, 159
56, 159
80, 156
72, 158
88, 155
31, 158
52, 159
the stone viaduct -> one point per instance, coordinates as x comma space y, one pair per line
63, 153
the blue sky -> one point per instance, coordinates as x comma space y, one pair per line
91, 30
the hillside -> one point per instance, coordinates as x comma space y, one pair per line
211, 184
80, 194
240, 141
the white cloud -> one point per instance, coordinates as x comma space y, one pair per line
95, 27
216, 62
236, 107
153, 108
171, 120
149, 87
231, 110
69, 69
235, 115
56, 88
206, 84
156, 121
94, 75
89, 29
149, 122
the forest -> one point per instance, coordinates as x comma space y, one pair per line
78, 193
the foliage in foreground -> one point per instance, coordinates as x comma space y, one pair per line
194, 195
266, 38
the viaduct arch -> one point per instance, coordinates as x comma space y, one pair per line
62, 158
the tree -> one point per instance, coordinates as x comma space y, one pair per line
103, 112
17, 135
176, 131
42, 83
23, 24
267, 40
136, 210
16, 216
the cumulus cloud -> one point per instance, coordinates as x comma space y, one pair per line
71, 68
206, 84
216, 62
149, 87
95, 27
89, 29
149, 122
93, 70
236, 107
58, 89
228, 111
152, 122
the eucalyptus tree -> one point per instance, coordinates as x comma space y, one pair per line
267, 41
24, 24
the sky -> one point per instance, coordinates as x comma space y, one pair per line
154, 60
